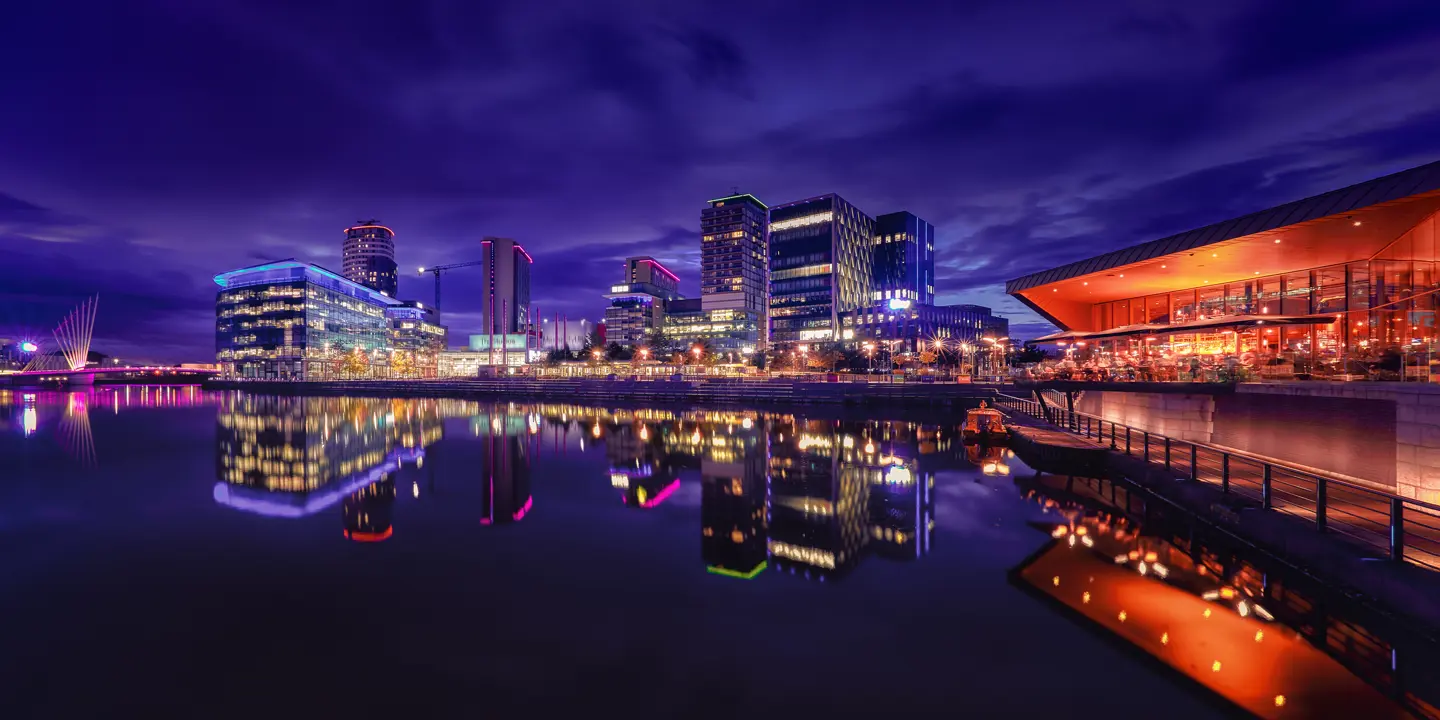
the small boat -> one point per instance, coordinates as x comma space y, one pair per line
984, 423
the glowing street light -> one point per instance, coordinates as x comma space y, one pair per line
644, 353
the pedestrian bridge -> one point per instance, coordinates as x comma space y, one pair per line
86, 376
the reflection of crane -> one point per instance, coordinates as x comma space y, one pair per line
436, 270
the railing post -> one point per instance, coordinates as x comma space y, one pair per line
1112, 434
1225, 472
1127, 439
1265, 501
1147, 446
1320, 504
1194, 464
1167, 452
1397, 529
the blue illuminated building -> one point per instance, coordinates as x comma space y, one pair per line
296, 321
638, 304
903, 263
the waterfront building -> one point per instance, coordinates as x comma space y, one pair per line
735, 264
505, 287
1341, 285
414, 332
821, 263
730, 332
638, 304
911, 327
296, 321
903, 266
558, 333
367, 257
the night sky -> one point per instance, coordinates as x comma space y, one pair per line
146, 146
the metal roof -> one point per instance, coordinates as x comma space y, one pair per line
1425, 178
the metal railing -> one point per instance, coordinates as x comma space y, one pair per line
1403, 529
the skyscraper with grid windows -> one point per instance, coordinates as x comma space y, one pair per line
735, 265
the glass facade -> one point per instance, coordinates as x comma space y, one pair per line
820, 267
1370, 317
724, 331
916, 324
904, 259
368, 257
735, 259
293, 321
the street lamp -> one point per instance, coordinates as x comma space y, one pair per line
644, 353
869, 356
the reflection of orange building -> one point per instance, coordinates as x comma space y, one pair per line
1265, 669
1340, 284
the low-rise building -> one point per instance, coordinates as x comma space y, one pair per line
290, 320
917, 326
728, 331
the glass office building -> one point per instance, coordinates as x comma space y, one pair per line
289, 320
735, 260
904, 259
919, 327
1338, 285
731, 332
820, 267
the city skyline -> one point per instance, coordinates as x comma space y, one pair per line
1025, 151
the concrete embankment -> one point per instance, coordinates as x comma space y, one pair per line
776, 391
1403, 591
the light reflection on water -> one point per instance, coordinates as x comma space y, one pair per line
817, 495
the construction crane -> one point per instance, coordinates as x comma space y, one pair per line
436, 270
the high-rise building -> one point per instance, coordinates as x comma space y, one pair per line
735, 262
505, 301
820, 267
368, 257
903, 266
637, 305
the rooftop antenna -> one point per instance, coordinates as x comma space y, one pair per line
734, 189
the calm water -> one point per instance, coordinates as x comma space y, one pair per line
173, 553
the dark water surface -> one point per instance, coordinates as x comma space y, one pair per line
173, 553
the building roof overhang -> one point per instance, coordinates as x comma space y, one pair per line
1344, 225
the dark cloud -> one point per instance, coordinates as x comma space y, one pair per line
150, 145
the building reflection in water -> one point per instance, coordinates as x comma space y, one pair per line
367, 512
294, 457
1245, 633
506, 435
811, 497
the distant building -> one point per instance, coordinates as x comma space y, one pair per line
727, 331
735, 263
820, 267
557, 333
290, 320
637, 305
903, 265
919, 326
505, 285
368, 257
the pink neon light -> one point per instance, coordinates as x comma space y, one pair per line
519, 514
484, 521
362, 227
656, 263
526, 254
665, 492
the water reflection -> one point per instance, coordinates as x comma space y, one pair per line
294, 457
25, 411
1258, 638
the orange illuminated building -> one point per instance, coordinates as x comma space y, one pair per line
1343, 284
